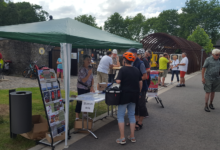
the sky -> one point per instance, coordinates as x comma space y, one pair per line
102, 9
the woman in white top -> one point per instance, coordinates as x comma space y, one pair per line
175, 68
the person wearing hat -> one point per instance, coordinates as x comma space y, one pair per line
130, 81
116, 63
140, 110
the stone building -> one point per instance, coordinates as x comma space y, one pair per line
22, 53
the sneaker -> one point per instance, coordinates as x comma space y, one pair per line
179, 85
207, 109
171, 82
183, 85
211, 106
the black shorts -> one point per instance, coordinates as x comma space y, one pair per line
141, 108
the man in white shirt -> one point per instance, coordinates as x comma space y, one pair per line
104, 65
183, 67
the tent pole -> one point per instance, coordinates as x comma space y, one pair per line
65, 56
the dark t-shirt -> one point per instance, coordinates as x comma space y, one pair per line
130, 77
146, 63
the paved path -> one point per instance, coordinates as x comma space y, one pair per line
181, 125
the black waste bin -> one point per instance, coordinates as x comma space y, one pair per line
21, 112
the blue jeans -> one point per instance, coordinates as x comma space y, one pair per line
122, 110
177, 74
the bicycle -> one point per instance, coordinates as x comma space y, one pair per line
31, 71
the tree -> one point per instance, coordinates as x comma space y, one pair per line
21, 12
116, 24
136, 25
149, 26
2, 3
168, 22
200, 37
203, 13
88, 19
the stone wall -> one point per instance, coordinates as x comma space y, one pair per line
20, 53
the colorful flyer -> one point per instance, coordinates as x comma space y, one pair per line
46, 97
54, 130
43, 87
50, 108
58, 94
56, 106
52, 74
153, 88
60, 128
49, 86
52, 95
55, 85
52, 119
41, 75
55, 93
61, 103
61, 115
46, 74
56, 117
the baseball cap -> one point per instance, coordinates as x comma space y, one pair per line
114, 51
132, 50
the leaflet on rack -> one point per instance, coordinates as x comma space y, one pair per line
53, 100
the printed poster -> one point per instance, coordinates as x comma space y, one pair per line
153, 88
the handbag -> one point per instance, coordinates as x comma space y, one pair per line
113, 96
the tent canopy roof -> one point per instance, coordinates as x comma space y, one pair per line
66, 30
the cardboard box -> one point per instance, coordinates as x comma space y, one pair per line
56, 138
40, 127
101, 86
78, 124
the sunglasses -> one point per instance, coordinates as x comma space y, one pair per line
217, 55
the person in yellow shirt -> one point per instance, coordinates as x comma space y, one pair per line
163, 61
1, 61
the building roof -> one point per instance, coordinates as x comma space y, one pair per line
162, 42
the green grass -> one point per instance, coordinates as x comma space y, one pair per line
21, 143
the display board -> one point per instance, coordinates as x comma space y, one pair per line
53, 101
153, 88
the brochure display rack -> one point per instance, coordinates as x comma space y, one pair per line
53, 105
153, 88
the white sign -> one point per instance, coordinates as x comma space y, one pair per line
88, 106
73, 55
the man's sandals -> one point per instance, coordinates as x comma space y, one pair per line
137, 126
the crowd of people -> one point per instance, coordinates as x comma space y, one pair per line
134, 80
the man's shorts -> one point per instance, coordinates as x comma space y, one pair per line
182, 74
163, 74
212, 86
140, 108
102, 77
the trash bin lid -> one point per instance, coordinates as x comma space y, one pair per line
21, 93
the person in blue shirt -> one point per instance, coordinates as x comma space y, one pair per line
59, 68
